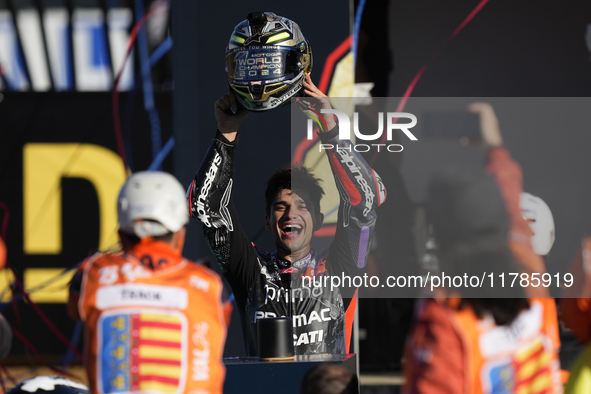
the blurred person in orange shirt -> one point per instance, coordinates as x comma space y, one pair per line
484, 345
154, 321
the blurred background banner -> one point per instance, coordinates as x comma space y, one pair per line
76, 45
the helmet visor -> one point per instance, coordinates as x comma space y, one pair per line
264, 64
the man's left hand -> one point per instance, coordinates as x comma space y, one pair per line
322, 101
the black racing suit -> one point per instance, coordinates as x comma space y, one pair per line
266, 285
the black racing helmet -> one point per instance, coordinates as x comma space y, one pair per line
267, 60
48, 384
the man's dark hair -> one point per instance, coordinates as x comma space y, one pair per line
471, 227
134, 239
329, 379
296, 178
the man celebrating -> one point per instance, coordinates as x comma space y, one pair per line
153, 320
272, 284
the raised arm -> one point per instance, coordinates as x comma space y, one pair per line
506, 171
210, 200
360, 189
508, 177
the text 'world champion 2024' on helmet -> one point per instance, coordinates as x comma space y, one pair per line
267, 60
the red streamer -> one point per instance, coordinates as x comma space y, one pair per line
415, 80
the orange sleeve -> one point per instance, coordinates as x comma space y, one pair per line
575, 313
508, 177
530, 262
434, 354
74, 291
575, 306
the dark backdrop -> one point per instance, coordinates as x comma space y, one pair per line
509, 49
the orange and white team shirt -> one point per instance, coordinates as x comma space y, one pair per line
452, 351
519, 358
154, 323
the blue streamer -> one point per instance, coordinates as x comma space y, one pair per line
356, 27
74, 341
160, 51
147, 81
157, 162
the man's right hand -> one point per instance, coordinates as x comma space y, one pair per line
229, 115
489, 124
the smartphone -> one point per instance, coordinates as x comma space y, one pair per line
461, 125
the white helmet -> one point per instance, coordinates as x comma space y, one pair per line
152, 204
540, 219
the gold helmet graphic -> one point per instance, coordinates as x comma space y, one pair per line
267, 59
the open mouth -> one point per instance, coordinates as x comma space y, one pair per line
291, 230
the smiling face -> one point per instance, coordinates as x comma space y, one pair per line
291, 220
